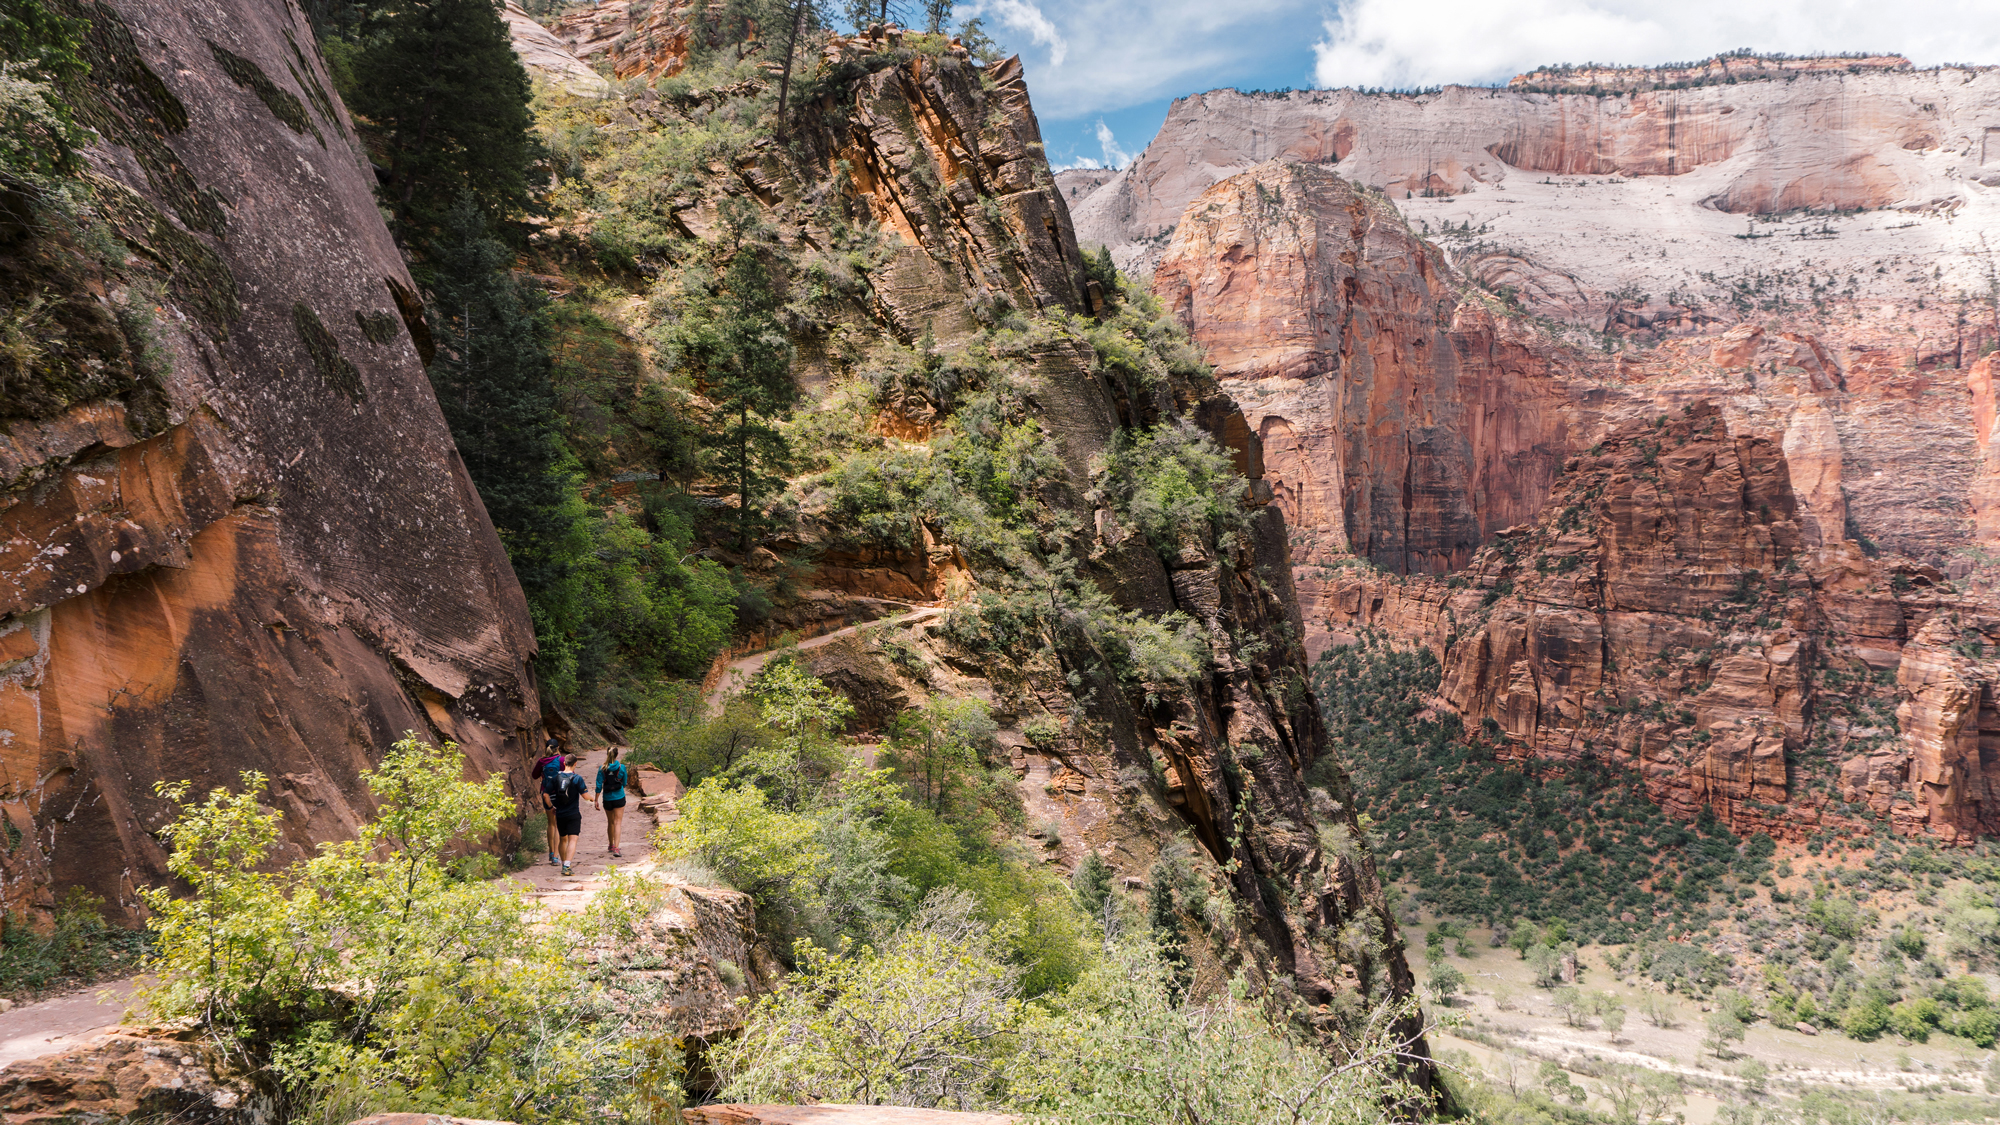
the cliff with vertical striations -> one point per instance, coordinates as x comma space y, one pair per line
972, 267
1396, 425
234, 534
1438, 397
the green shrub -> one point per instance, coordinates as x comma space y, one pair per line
1980, 1026
733, 829
1866, 1020
936, 749
1915, 1019
1173, 484
78, 948
1122, 1045
1837, 917
1444, 982
919, 1022
41, 52
369, 974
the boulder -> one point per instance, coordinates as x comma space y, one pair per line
129, 1074
1804, 1028
654, 782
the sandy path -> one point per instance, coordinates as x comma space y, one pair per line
49, 1026
593, 860
741, 670
33, 1030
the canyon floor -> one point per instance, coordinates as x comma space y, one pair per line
1501, 1027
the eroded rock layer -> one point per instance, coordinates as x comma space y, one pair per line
1667, 614
257, 549
944, 156
1396, 424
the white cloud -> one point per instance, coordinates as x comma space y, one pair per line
1119, 53
1114, 157
1091, 57
1436, 42
1022, 16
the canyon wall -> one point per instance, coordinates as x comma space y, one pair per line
235, 534
1734, 537
1666, 613
1810, 241
1396, 424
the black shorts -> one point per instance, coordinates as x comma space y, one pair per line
569, 822
617, 804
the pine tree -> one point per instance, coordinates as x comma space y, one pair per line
492, 381
1092, 884
733, 345
800, 17
439, 79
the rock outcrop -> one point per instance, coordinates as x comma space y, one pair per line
1396, 424
1667, 613
701, 946
956, 171
132, 1075
548, 57
248, 542
945, 157
651, 43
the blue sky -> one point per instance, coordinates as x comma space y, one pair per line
1118, 63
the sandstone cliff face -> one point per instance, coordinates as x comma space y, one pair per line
259, 551
548, 57
1662, 219
1397, 425
956, 171
636, 38
1667, 613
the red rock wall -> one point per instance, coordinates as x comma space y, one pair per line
653, 44
1667, 613
1396, 424
281, 565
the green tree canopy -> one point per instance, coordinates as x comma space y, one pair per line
492, 381
439, 79
728, 339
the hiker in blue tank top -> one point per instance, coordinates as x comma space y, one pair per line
611, 797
